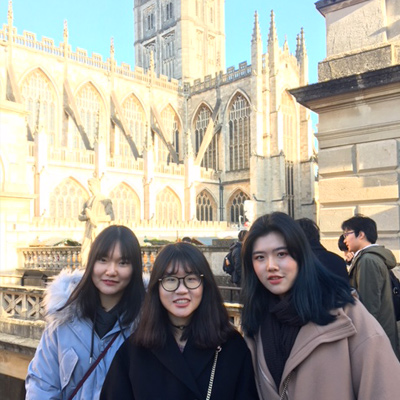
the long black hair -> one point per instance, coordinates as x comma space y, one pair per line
209, 326
86, 295
315, 292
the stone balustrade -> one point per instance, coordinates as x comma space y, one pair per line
50, 258
21, 303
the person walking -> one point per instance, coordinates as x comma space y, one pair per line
310, 338
184, 347
369, 273
89, 315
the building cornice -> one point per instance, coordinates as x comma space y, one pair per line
307, 95
327, 6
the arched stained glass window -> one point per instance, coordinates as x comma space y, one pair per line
136, 120
168, 206
40, 101
89, 106
239, 134
236, 207
126, 203
206, 208
200, 124
67, 200
171, 124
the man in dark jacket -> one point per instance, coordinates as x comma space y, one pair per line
369, 272
237, 258
331, 261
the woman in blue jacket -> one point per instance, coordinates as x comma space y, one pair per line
86, 327
184, 347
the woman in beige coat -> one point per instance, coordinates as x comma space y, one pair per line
309, 337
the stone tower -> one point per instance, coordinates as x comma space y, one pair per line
187, 38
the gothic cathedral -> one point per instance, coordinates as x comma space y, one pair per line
180, 143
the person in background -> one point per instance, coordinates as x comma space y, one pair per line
237, 258
184, 347
328, 259
369, 273
186, 239
348, 255
89, 315
310, 338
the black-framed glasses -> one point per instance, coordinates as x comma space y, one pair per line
345, 234
171, 283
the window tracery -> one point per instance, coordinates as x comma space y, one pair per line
239, 134
171, 124
236, 207
126, 203
40, 101
168, 206
136, 120
67, 200
201, 122
89, 105
206, 207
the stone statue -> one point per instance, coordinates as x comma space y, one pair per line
98, 213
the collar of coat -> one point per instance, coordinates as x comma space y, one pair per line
186, 366
309, 338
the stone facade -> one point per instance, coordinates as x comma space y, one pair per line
176, 157
358, 102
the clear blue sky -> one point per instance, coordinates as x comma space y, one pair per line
91, 24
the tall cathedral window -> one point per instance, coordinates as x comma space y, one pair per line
236, 207
149, 21
149, 50
290, 146
40, 101
67, 200
239, 134
211, 51
136, 120
169, 10
201, 122
89, 105
168, 55
289, 127
168, 206
211, 12
171, 124
126, 204
206, 208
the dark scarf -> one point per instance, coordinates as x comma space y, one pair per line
105, 321
278, 334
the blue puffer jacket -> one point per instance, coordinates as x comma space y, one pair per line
63, 355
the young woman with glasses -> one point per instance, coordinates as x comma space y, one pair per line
184, 347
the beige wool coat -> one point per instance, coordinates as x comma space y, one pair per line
349, 359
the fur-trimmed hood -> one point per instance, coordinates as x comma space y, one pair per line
57, 294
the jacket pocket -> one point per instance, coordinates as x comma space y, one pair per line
67, 366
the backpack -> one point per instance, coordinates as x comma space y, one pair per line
227, 264
395, 293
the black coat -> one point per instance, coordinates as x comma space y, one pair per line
167, 374
331, 261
